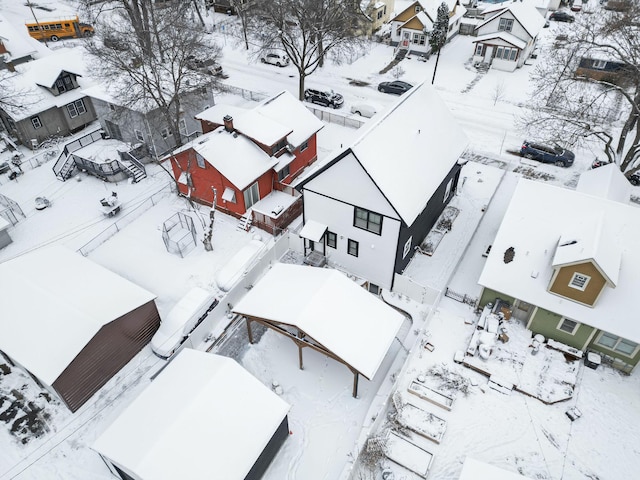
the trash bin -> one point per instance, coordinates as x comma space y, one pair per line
592, 360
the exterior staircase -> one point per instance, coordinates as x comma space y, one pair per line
133, 167
245, 221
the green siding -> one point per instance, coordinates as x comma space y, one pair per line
489, 295
612, 353
546, 323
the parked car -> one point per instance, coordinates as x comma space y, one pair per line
182, 319
576, 6
207, 65
4, 167
328, 98
634, 178
366, 110
275, 58
561, 16
397, 86
547, 154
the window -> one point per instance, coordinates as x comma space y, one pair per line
506, 24
617, 344
352, 248
417, 9
568, 326
199, 160
579, 281
139, 135
368, 220
76, 108
64, 83
279, 146
375, 289
419, 39
284, 173
35, 121
480, 49
331, 239
407, 247
379, 14
165, 132
304, 146
251, 196
182, 126
506, 53
599, 64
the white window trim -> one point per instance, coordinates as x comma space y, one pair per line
139, 135
586, 282
599, 64
575, 329
36, 120
182, 126
613, 349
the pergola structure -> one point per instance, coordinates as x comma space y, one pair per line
324, 310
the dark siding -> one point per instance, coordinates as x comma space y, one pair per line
426, 220
106, 353
269, 452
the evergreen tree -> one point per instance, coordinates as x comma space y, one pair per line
439, 34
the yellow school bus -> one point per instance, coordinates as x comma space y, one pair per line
54, 30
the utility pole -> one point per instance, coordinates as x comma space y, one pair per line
37, 23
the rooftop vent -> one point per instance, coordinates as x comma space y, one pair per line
509, 253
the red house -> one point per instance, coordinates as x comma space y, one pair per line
249, 157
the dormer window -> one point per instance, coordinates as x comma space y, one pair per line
64, 83
417, 9
579, 281
279, 146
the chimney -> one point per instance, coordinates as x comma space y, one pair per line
228, 123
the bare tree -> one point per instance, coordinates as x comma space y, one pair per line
149, 55
307, 30
587, 91
498, 91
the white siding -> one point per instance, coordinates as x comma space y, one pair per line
376, 256
492, 26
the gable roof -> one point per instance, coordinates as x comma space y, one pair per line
408, 151
606, 182
504, 36
30, 77
536, 218
329, 307
407, 13
204, 416
17, 45
524, 13
588, 239
235, 156
56, 299
275, 118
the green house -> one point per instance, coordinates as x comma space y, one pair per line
567, 262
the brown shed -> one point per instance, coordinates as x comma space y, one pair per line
71, 323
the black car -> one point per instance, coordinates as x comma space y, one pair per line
561, 16
4, 167
634, 178
328, 98
397, 86
547, 154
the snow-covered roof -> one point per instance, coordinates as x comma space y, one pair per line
473, 469
18, 45
589, 239
607, 182
410, 149
204, 416
504, 36
313, 230
278, 117
58, 300
288, 110
30, 77
234, 156
329, 307
537, 217
525, 13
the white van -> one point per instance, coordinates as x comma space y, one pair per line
183, 318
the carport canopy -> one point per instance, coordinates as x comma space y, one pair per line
331, 313
313, 230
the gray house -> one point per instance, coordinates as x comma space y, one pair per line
145, 124
49, 98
